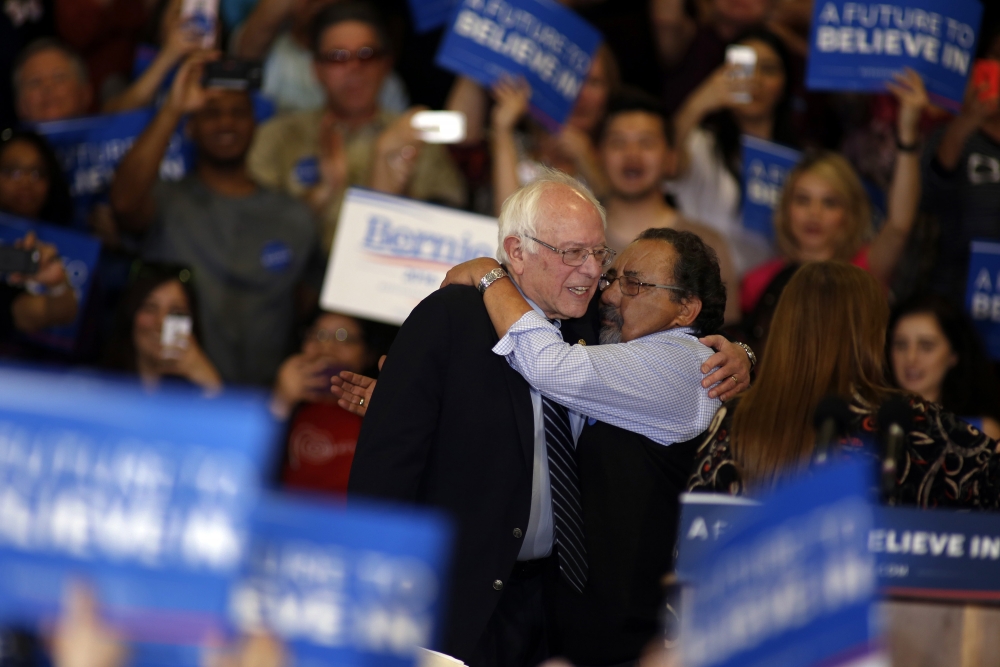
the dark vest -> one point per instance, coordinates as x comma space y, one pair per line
629, 487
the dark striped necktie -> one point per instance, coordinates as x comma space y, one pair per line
564, 479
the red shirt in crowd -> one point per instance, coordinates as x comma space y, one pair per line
755, 282
320, 448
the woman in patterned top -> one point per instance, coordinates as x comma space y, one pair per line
827, 339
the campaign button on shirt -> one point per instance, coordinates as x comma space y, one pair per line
306, 171
276, 256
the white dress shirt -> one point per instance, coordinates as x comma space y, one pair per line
650, 385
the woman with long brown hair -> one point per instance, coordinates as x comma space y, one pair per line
827, 338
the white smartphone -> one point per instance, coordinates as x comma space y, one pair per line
175, 335
202, 16
742, 61
440, 127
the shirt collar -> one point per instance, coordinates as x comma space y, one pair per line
534, 306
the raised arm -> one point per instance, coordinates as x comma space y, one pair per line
261, 27
131, 193
973, 114
468, 97
511, 103
58, 306
712, 95
904, 191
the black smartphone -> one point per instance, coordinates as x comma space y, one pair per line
232, 74
18, 260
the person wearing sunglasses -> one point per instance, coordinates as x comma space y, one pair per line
455, 427
316, 155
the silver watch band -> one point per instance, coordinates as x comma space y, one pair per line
490, 278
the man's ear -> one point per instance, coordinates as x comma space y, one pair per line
690, 310
514, 246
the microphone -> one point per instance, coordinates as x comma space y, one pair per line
894, 420
831, 419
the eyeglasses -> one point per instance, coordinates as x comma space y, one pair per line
365, 54
31, 173
630, 286
341, 335
577, 256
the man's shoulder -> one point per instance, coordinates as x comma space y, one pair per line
290, 125
459, 299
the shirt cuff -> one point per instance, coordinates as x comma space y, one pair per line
530, 321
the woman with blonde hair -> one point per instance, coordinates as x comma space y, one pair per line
827, 339
824, 215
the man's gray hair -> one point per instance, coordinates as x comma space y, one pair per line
48, 44
519, 213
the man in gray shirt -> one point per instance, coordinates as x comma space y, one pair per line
249, 248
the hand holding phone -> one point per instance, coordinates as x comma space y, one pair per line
201, 16
232, 74
742, 64
175, 336
439, 127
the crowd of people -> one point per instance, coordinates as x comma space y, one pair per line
591, 405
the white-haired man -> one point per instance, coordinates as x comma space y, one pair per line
50, 83
453, 426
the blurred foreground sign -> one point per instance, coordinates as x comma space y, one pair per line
390, 253
790, 585
860, 45
344, 587
982, 294
541, 40
146, 498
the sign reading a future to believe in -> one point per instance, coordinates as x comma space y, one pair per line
540, 40
982, 295
860, 45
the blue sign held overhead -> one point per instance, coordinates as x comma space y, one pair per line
540, 40
859, 45
90, 149
982, 294
792, 584
430, 14
765, 167
361, 586
79, 253
147, 498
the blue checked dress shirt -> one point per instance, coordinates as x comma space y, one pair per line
650, 385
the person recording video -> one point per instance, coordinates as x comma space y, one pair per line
36, 294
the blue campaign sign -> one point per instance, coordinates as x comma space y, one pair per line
982, 294
79, 253
792, 585
358, 586
765, 167
430, 14
937, 554
90, 149
541, 40
147, 498
859, 45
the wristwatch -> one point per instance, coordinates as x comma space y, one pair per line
750, 355
490, 278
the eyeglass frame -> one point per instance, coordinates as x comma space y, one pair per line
326, 58
610, 258
633, 280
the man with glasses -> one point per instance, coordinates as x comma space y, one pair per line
317, 155
453, 426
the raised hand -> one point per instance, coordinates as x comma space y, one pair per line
187, 95
908, 88
512, 96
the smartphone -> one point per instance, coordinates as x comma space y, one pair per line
742, 61
18, 260
440, 127
986, 77
232, 74
175, 335
201, 16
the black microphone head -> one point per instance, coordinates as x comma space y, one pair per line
835, 409
895, 410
